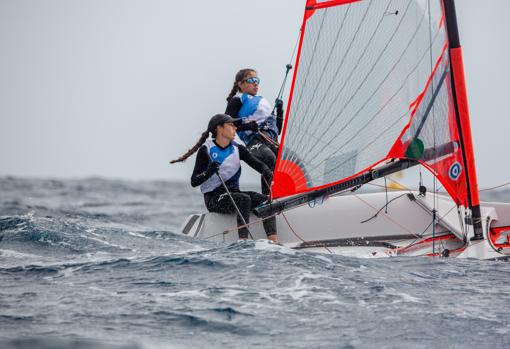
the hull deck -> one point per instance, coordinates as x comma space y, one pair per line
367, 225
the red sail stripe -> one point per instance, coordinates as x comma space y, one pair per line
460, 89
312, 4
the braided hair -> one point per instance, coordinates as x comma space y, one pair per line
190, 152
240, 76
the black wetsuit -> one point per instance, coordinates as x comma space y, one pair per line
219, 201
259, 147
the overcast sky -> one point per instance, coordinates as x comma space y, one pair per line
117, 88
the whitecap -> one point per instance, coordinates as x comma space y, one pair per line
267, 245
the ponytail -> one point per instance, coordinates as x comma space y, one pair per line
241, 74
233, 92
190, 152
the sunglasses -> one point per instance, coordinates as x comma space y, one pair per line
254, 80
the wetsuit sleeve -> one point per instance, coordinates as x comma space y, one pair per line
233, 107
201, 171
279, 119
253, 162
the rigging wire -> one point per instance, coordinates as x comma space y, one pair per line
295, 47
386, 191
307, 73
435, 189
387, 216
288, 67
439, 187
424, 231
384, 207
299, 237
496, 187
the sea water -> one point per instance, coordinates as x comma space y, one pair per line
98, 263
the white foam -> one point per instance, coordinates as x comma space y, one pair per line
408, 298
16, 254
185, 294
268, 245
101, 240
138, 235
323, 258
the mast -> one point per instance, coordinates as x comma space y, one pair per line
462, 116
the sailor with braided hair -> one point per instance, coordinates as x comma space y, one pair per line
217, 172
258, 127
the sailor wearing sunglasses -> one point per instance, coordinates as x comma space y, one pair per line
259, 127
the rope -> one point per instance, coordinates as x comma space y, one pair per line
439, 191
299, 237
268, 139
233, 229
496, 187
385, 206
230, 196
387, 217
406, 188
214, 235
421, 235
245, 225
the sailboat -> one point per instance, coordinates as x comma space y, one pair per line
378, 87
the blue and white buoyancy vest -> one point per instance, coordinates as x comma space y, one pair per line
256, 108
230, 166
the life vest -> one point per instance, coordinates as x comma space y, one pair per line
258, 109
229, 170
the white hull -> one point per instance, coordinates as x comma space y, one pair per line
339, 225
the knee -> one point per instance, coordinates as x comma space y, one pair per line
271, 160
243, 201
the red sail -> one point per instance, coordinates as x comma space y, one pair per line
373, 82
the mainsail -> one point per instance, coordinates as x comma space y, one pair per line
375, 81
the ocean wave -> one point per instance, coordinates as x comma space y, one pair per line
44, 233
63, 343
96, 263
201, 323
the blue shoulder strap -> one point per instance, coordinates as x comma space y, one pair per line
250, 105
